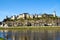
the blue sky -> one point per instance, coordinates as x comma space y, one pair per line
15, 7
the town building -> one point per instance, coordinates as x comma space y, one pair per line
34, 20
12, 17
23, 16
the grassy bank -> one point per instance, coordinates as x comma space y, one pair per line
32, 28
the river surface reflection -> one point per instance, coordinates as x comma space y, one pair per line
30, 35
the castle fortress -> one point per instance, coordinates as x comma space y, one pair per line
27, 15
25, 19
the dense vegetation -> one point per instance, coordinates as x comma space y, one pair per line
2, 38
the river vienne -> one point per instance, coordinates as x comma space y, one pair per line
30, 35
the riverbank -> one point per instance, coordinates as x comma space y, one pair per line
31, 28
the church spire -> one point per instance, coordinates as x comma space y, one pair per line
54, 14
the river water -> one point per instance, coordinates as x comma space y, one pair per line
30, 35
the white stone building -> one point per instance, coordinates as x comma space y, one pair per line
24, 15
12, 17
20, 16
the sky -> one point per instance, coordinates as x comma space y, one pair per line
16, 7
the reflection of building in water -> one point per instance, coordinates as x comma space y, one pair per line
31, 35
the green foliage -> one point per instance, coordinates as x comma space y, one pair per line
2, 38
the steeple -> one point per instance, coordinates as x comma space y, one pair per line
54, 14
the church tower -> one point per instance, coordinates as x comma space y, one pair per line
54, 14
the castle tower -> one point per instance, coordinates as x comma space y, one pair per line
54, 14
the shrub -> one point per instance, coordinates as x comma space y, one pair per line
2, 38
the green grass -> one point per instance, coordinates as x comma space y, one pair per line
32, 28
